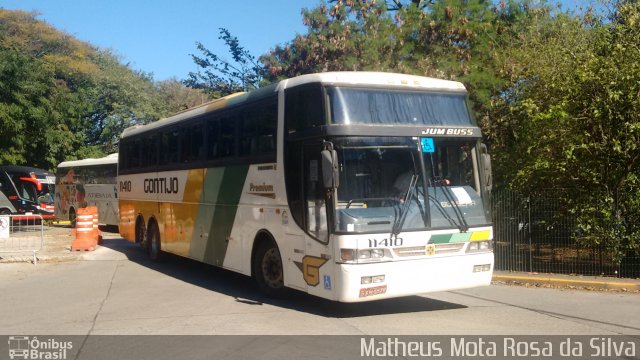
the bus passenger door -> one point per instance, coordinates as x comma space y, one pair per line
317, 262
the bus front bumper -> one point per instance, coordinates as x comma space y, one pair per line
362, 282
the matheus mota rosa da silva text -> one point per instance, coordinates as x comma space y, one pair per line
501, 347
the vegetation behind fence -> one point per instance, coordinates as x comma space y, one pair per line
541, 233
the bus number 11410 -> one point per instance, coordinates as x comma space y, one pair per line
374, 243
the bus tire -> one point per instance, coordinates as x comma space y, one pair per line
268, 271
5, 211
153, 236
141, 235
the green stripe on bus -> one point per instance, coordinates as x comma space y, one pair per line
231, 179
461, 237
440, 239
450, 238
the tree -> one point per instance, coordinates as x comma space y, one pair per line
555, 93
62, 99
117, 97
569, 120
177, 97
451, 39
220, 77
33, 113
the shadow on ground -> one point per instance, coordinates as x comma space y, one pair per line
244, 289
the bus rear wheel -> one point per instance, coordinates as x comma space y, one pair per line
153, 236
141, 236
268, 272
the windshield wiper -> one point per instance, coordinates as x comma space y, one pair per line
443, 211
462, 225
402, 216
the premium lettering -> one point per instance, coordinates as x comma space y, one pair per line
259, 188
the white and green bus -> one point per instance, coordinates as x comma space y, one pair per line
351, 186
87, 182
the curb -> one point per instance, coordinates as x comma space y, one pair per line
568, 281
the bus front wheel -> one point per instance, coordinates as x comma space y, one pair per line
268, 269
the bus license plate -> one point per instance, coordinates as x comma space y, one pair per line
373, 291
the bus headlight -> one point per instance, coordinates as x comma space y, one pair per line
364, 255
377, 253
347, 254
478, 246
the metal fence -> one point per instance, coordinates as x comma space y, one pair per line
20, 234
536, 233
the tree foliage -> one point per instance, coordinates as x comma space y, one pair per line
32, 111
177, 97
219, 76
556, 92
450, 39
569, 118
63, 99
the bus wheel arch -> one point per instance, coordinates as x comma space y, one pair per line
266, 264
153, 238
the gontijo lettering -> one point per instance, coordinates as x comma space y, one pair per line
161, 185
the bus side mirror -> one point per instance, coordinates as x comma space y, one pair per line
485, 161
330, 174
37, 183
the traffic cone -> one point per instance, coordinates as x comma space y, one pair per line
86, 236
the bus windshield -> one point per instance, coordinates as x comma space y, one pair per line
25, 189
395, 184
393, 107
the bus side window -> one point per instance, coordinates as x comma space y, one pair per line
228, 136
191, 143
150, 151
213, 140
132, 151
304, 108
197, 142
259, 130
267, 129
137, 155
220, 137
249, 133
170, 147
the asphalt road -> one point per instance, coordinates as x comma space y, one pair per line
116, 291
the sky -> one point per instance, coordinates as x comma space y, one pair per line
158, 36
